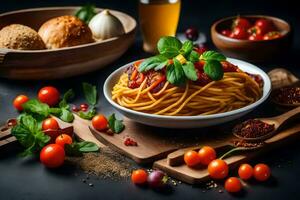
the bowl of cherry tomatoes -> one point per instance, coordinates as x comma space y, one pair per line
252, 37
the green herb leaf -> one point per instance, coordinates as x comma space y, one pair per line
190, 71
66, 115
67, 96
213, 69
212, 55
169, 46
86, 13
36, 108
115, 125
88, 115
193, 56
90, 93
157, 62
175, 73
77, 148
187, 47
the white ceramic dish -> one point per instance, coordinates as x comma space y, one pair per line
188, 121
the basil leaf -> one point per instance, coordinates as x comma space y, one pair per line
90, 93
190, 71
175, 73
212, 55
193, 56
115, 125
88, 115
161, 65
66, 115
36, 108
213, 69
187, 47
72, 149
67, 96
77, 148
153, 62
86, 13
169, 46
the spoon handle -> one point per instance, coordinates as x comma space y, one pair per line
284, 134
285, 116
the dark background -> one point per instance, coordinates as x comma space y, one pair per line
28, 179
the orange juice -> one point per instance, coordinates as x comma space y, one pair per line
158, 18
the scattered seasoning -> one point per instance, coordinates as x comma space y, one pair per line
253, 128
130, 142
243, 143
220, 191
91, 184
107, 164
287, 95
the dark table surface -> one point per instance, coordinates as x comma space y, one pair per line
28, 179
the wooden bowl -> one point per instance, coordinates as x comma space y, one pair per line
257, 51
64, 62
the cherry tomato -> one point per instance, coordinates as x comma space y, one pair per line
75, 108
226, 32
207, 154
49, 95
233, 185
272, 35
99, 122
255, 37
84, 106
218, 169
63, 139
245, 171
192, 34
139, 176
50, 123
261, 172
19, 100
191, 158
239, 33
265, 25
52, 155
241, 22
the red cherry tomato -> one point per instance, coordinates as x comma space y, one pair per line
226, 32
218, 169
261, 172
245, 171
233, 185
191, 158
52, 155
239, 33
50, 124
255, 37
265, 25
19, 101
207, 154
99, 122
49, 95
272, 35
139, 176
241, 22
75, 108
63, 139
84, 106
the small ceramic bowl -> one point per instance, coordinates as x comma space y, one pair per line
256, 51
187, 121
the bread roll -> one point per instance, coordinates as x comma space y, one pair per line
65, 31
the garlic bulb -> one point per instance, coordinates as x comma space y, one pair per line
105, 25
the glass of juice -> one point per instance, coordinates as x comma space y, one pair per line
157, 18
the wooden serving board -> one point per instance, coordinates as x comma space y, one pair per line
197, 175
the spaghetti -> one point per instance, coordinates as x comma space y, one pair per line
152, 93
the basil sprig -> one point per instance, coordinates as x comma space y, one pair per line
90, 93
115, 125
183, 56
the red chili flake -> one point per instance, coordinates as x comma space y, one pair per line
130, 142
288, 95
75, 108
84, 106
253, 128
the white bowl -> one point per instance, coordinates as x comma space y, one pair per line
187, 121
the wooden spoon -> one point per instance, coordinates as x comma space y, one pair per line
277, 121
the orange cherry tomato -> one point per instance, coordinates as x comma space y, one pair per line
99, 122
139, 176
218, 169
262, 172
50, 124
245, 171
233, 185
207, 154
63, 139
49, 95
191, 158
19, 101
52, 155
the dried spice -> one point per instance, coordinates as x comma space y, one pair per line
253, 128
105, 164
130, 142
288, 95
243, 143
